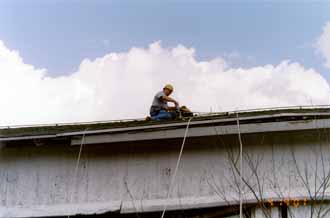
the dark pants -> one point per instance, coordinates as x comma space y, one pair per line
163, 115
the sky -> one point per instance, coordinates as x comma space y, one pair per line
82, 60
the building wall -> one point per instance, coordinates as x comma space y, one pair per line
277, 167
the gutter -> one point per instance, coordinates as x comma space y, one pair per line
158, 127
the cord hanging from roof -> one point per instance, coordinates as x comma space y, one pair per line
241, 167
176, 167
77, 164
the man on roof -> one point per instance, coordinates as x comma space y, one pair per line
159, 109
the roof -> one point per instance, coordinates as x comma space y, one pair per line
261, 115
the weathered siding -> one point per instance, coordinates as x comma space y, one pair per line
40, 181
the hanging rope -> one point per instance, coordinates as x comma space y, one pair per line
176, 168
77, 163
240, 166
173, 177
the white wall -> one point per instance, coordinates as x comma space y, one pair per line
310, 211
36, 181
273, 212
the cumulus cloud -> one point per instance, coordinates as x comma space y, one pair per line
122, 85
323, 44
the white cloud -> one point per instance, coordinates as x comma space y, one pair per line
323, 44
122, 85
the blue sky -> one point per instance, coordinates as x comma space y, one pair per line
238, 63
58, 35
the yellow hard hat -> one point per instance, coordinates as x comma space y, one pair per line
169, 87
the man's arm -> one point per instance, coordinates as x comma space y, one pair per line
169, 99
